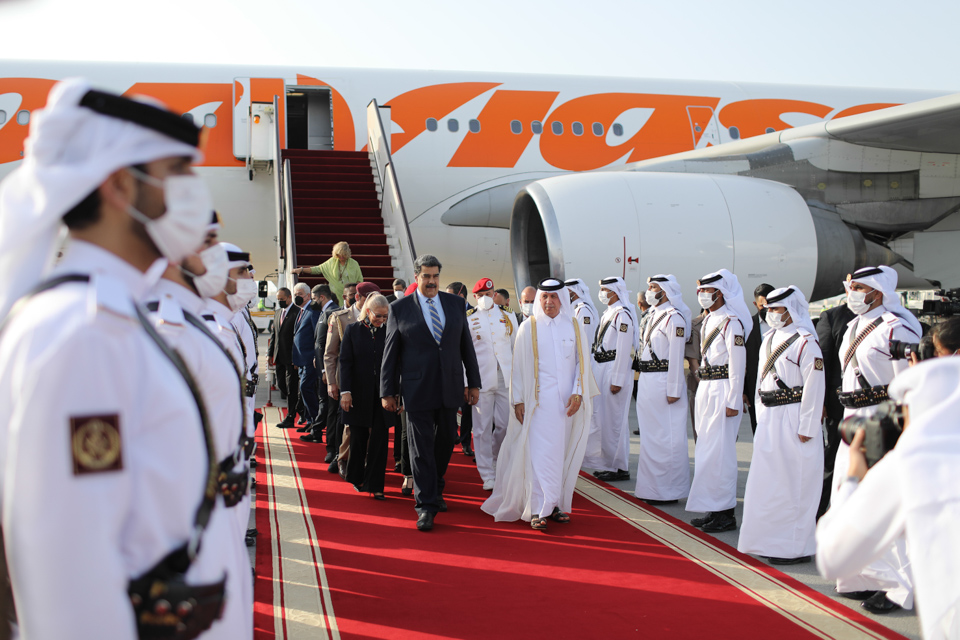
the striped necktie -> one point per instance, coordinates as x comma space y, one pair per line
435, 325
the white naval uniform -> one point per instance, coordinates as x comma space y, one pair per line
493, 334
714, 486
218, 379
588, 319
889, 573
610, 429
77, 533
786, 476
663, 469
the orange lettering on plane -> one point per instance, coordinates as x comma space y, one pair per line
667, 131
410, 110
183, 97
754, 117
344, 133
33, 95
863, 108
496, 145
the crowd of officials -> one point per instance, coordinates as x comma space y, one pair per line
127, 500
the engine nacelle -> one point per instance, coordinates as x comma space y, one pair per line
637, 224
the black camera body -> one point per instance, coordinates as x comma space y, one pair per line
948, 306
883, 429
900, 350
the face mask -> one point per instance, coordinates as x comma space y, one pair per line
182, 227
282, 304
298, 300
217, 267
246, 290
775, 320
527, 309
398, 294
604, 297
485, 303
652, 297
763, 314
857, 302
706, 300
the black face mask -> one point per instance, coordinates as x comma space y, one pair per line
282, 304
763, 314
298, 300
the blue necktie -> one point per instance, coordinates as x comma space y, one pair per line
435, 325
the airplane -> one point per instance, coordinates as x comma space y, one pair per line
519, 177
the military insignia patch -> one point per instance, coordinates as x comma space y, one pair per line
95, 444
738, 341
623, 327
680, 331
586, 320
818, 364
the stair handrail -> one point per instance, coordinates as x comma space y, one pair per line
291, 232
279, 200
391, 205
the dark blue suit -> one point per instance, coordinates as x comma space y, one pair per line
431, 376
303, 355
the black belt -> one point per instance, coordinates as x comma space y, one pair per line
652, 366
781, 397
714, 372
605, 356
250, 388
863, 397
232, 484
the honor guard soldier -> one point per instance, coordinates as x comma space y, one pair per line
786, 471
106, 492
493, 332
663, 469
583, 308
608, 450
719, 400
867, 369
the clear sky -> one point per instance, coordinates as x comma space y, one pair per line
868, 43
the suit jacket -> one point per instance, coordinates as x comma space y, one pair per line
303, 341
753, 359
281, 346
830, 331
320, 333
274, 330
336, 327
431, 373
361, 355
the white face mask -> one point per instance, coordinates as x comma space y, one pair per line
604, 297
246, 290
652, 297
485, 303
527, 309
775, 320
706, 300
398, 294
182, 227
857, 302
214, 279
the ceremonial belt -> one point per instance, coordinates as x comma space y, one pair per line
867, 395
714, 372
784, 395
709, 341
600, 354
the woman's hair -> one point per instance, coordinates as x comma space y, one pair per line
342, 249
947, 333
376, 301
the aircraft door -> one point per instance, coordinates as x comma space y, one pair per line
310, 124
703, 126
248, 91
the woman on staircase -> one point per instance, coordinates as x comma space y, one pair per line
339, 270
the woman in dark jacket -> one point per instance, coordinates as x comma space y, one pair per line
360, 355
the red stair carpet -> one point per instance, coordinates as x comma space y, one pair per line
332, 563
335, 199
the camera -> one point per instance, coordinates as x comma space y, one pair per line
883, 429
949, 305
902, 350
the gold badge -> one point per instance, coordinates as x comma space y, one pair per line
623, 328
818, 364
586, 320
95, 441
738, 341
680, 331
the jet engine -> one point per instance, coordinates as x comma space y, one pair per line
638, 224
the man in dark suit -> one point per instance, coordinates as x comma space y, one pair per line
428, 348
830, 330
753, 351
284, 297
303, 345
327, 406
281, 350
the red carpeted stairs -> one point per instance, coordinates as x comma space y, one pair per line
335, 199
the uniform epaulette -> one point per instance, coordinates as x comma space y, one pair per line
112, 297
471, 311
804, 332
504, 308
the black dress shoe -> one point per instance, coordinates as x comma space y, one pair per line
396, 467
252, 533
596, 474
879, 604
287, 423
304, 429
636, 432
302, 421
311, 438
800, 560
329, 457
442, 504
856, 595
621, 475
657, 503
723, 522
606, 476
253, 463
699, 522
334, 467
425, 521
467, 451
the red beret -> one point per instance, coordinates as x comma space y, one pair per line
367, 288
410, 289
483, 284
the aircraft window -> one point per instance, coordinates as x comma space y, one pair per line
453, 125
577, 129
23, 117
515, 126
210, 120
537, 127
557, 128
617, 129
734, 133
3, 116
770, 129
188, 117
597, 129
474, 126
431, 124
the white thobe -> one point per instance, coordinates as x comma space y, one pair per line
873, 358
786, 476
663, 468
714, 486
610, 429
223, 550
493, 334
540, 458
76, 535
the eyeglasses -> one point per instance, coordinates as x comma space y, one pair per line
381, 316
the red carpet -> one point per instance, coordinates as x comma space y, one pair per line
600, 576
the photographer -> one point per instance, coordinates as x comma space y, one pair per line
946, 337
914, 491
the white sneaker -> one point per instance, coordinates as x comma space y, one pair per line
488, 485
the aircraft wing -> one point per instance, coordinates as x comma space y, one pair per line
931, 126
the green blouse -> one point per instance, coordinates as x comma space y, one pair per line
338, 275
